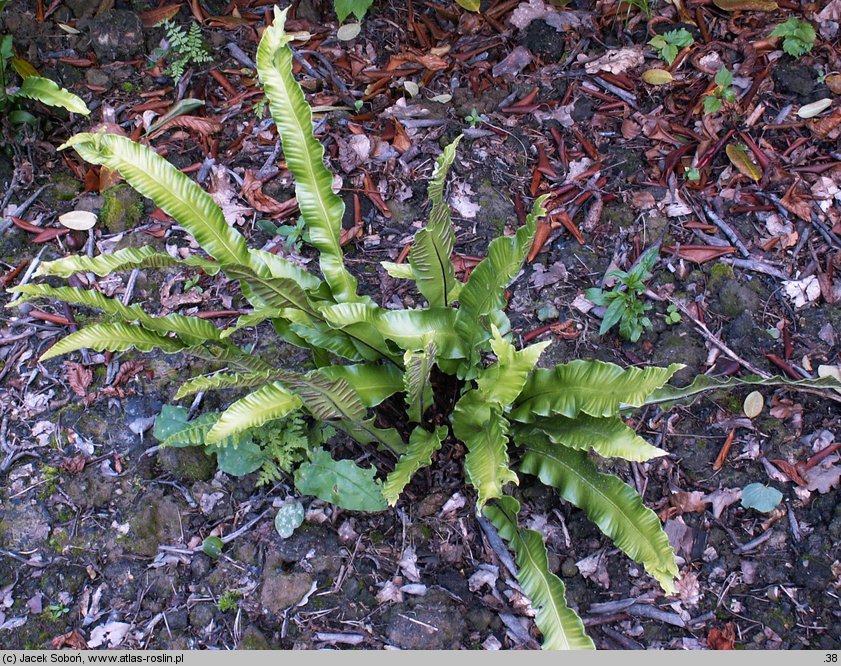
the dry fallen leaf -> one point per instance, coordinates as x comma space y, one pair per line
746, 5
802, 291
754, 404
723, 498
823, 479
618, 61
78, 220
722, 639
657, 77
741, 160
815, 108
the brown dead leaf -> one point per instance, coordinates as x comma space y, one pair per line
225, 197
252, 191
699, 253
823, 479
746, 5
689, 502
688, 589
827, 127
723, 498
74, 465
722, 639
79, 377
152, 17
72, 639
794, 203
540, 238
128, 370
790, 471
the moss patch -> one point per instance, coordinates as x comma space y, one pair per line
122, 208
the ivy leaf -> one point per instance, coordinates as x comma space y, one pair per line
711, 104
340, 482
761, 497
170, 421
288, 519
239, 460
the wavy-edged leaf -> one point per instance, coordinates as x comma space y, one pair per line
273, 401
367, 432
484, 430
561, 627
122, 260
224, 380
400, 271
178, 196
669, 395
417, 380
229, 354
422, 444
271, 265
269, 292
321, 209
484, 292
191, 330
503, 381
326, 398
50, 93
340, 482
253, 319
614, 506
593, 387
318, 335
359, 321
433, 245
372, 383
113, 337
609, 437
411, 330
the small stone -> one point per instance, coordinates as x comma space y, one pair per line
569, 568
122, 208
189, 463
116, 35
547, 312
24, 526
97, 77
201, 615
283, 590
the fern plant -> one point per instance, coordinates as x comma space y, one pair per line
186, 47
460, 376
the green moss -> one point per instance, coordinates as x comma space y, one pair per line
377, 537
128, 87
720, 273
62, 187
122, 208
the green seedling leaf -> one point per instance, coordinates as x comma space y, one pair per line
724, 77
240, 459
212, 547
340, 482
288, 519
761, 497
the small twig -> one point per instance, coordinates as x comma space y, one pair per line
21, 209
497, 545
132, 279
718, 342
29, 273
756, 266
727, 230
752, 544
652, 613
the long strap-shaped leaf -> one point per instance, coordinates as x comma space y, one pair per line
372, 383
417, 380
503, 381
484, 430
614, 506
273, 401
433, 245
321, 208
224, 380
561, 627
191, 330
122, 260
178, 195
669, 395
50, 93
422, 444
593, 387
484, 292
113, 337
608, 437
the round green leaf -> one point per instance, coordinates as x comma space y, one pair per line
239, 460
212, 547
289, 518
761, 497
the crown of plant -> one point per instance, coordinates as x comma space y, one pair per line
512, 417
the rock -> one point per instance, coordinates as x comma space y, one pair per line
83, 8
680, 347
793, 78
116, 35
177, 619
98, 77
62, 187
736, 298
122, 208
24, 526
89, 489
201, 615
156, 522
432, 622
569, 569
314, 546
542, 39
253, 639
189, 463
282, 590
